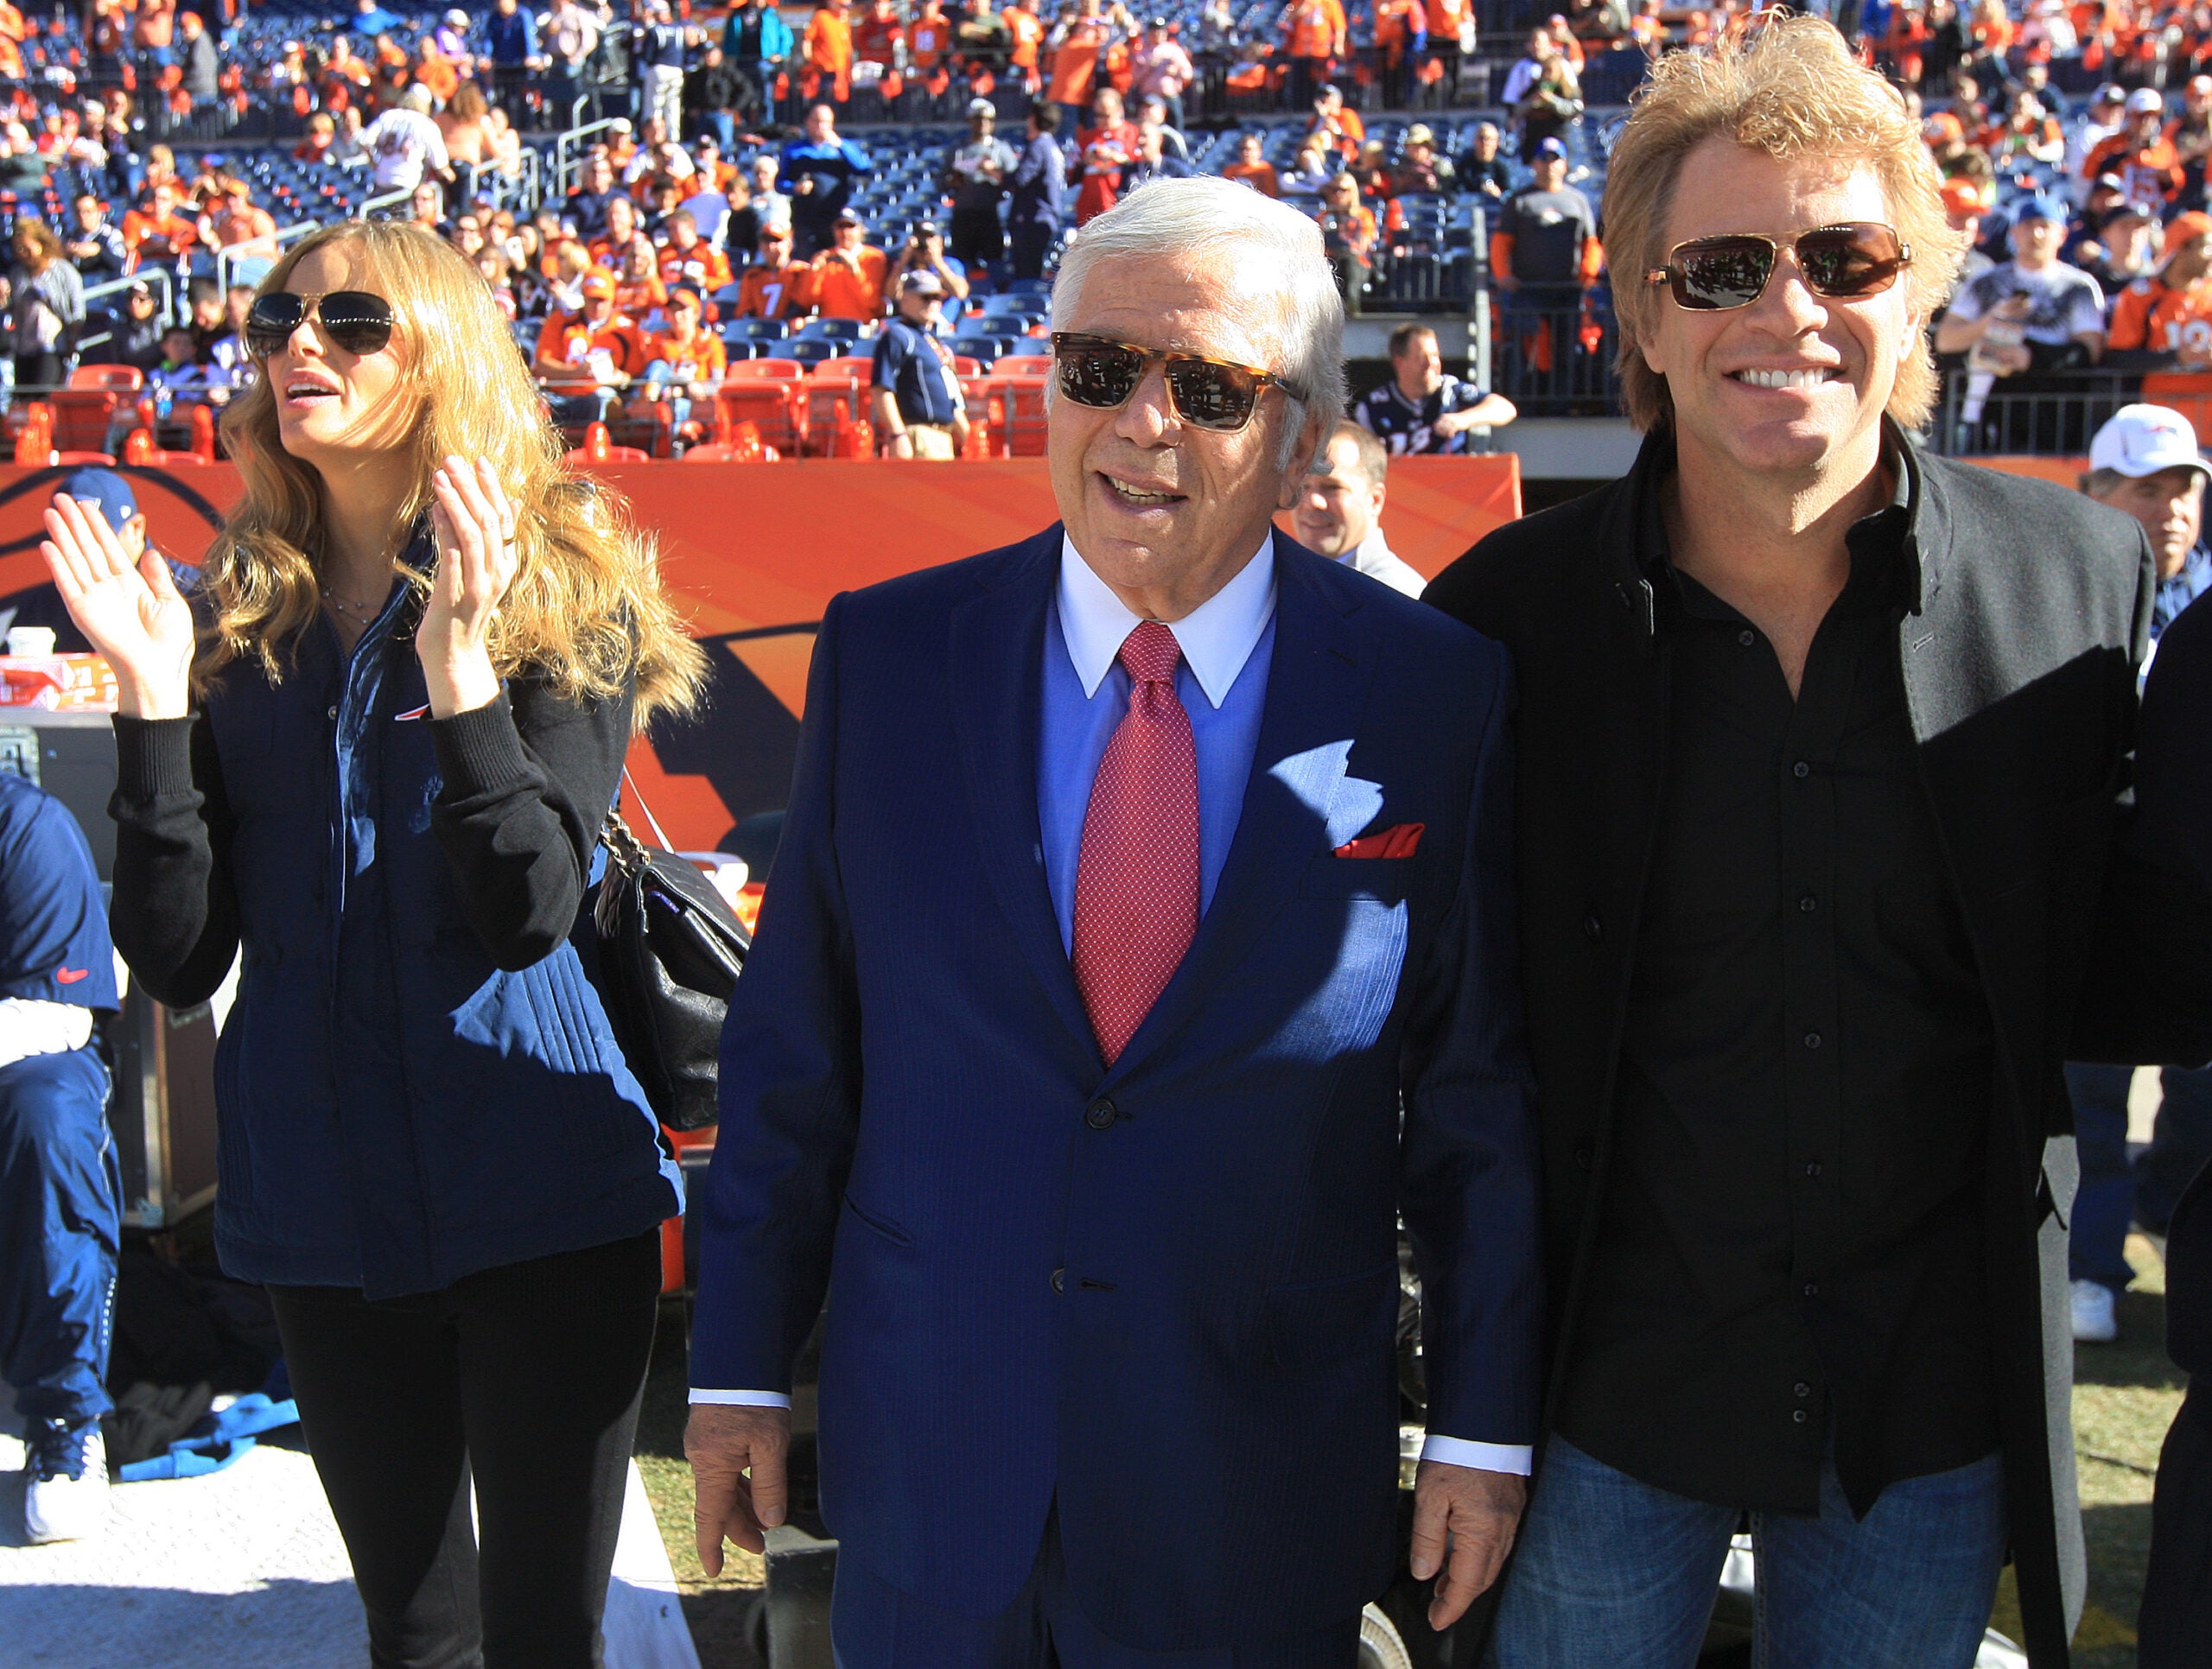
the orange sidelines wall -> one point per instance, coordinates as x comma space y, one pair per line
755, 551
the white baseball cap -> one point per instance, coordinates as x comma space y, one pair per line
2144, 100
2142, 440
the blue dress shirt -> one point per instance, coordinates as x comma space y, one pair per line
1228, 643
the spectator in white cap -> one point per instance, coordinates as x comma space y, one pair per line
2145, 461
976, 176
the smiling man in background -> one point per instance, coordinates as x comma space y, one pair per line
1077, 1068
1826, 864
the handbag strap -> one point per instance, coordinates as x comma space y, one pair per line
624, 849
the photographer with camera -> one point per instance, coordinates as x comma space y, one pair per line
924, 252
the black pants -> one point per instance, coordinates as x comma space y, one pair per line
1032, 242
527, 1377
2176, 1619
977, 238
40, 373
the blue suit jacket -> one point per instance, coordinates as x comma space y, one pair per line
916, 1117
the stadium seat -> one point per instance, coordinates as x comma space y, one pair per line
1022, 401
1021, 301
811, 350
771, 406
759, 329
83, 416
767, 371
124, 379
1024, 365
830, 330
832, 384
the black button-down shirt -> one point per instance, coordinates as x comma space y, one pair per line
1791, 1248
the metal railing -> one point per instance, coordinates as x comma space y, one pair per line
369, 206
154, 277
2055, 414
228, 261
568, 151
1556, 361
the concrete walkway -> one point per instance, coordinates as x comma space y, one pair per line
244, 1570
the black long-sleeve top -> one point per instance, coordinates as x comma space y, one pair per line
526, 780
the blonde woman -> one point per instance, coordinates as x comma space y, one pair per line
376, 773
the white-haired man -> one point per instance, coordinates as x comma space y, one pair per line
1126, 896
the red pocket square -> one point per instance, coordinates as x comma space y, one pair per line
1399, 842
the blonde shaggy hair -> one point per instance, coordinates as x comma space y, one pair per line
1787, 86
586, 612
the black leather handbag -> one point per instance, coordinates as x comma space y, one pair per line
669, 951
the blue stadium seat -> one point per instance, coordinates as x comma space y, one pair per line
809, 350
830, 330
772, 330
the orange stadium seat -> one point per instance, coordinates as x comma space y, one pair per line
122, 380
836, 383
82, 416
769, 405
1022, 415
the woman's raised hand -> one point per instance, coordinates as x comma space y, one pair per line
474, 527
132, 612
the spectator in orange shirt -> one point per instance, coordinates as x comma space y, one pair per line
775, 286
688, 258
1314, 38
154, 231
1399, 26
2169, 311
848, 274
638, 292
1447, 19
828, 46
593, 348
1027, 30
1336, 122
235, 223
322, 134
1076, 44
1253, 167
2141, 154
683, 363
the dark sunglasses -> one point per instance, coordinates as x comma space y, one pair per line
1711, 275
1206, 393
353, 319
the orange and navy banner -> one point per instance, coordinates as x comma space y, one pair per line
755, 551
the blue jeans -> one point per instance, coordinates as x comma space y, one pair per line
2113, 1192
1614, 1574
60, 1208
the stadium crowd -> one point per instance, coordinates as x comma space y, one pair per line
709, 211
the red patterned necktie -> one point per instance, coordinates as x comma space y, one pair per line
1136, 879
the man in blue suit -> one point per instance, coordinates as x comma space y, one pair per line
1140, 947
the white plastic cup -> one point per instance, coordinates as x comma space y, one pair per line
34, 643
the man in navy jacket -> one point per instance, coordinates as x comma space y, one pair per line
1140, 947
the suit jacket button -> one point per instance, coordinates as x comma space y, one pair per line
1586, 1153
1101, 1115
1060, 1280
1592, 929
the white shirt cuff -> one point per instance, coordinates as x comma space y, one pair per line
1515, 1457
743, 1398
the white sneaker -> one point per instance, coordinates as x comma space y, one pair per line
66, 1495
2097, 1320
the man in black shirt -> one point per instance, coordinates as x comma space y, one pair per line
1544, 253
1826, 862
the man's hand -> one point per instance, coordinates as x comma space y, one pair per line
737, 1455
1476, 1512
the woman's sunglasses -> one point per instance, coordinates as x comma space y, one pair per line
353, 319
1712, 275
1208, 394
